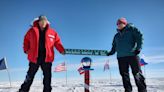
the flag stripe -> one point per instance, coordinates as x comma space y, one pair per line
61, 67
142, 62
81, 70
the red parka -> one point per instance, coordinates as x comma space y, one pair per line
31, 43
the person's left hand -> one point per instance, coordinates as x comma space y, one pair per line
137, 52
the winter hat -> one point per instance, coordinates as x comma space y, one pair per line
122, 20
42, 17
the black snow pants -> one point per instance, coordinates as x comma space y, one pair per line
133, 62
33, 68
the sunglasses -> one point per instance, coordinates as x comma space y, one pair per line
119, 23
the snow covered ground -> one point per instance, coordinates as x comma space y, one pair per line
97, 85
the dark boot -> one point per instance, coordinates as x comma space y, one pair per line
25, 87
126, 82
46, 67
137, 73
140, 82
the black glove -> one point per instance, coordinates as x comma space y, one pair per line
137, 52
109, 53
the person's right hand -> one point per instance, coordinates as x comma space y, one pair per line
63, 53
25, 52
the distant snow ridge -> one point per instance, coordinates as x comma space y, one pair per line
97, 85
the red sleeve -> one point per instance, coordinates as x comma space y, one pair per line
26, 43
58, 45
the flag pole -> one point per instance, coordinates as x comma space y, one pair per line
110, 76
66, 77
145, 71
8, 71
66, 72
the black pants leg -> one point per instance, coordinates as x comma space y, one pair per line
33, 68
46, 67
124, 72
137, 73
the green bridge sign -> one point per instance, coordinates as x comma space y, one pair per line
86, 52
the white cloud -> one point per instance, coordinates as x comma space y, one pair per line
19, 69
154, 48
155, 73
100, 63
96, 63
113, 61
154, 58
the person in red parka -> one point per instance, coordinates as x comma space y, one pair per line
39, 43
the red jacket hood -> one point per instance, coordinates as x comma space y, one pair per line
35, 23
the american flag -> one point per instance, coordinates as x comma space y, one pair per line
61, 67
106, 66
81, 70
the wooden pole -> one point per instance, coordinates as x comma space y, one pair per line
8, 71
66, 72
